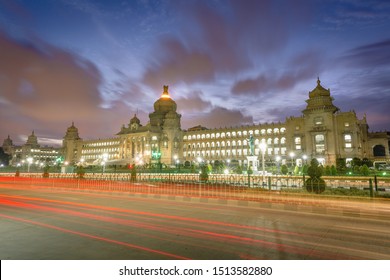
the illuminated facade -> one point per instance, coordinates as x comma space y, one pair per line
322, 132
31, 149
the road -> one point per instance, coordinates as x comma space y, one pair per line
57, 223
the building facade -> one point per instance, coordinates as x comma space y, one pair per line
31, 152
322, 131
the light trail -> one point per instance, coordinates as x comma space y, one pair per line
94, 237
200, 234
248, 239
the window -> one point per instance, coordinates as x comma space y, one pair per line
320, 143
318, 120
348, 141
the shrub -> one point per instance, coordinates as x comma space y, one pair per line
364, 170
46, 171
333, 170
315, 183
284, 169
133, 173
204, 175
80, 171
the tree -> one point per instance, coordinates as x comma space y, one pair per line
4, 158
46, 171
204, 175
333, 170
327, 170
80, 171
133, 173
296, 170
341, 165
284, 169
304, 169
366, 161
356, 162
315, 183
364, 170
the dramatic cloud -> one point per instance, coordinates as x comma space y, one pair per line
43, 84
224, 60
372, 55
178, 64
300, 68
217, 117
194, 103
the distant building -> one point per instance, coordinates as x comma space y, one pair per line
31, 149
322, 132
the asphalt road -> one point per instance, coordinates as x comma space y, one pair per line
50, 223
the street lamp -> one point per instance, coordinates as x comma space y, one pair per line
29, 161
263, 147
292, 155
105, 157
278, 158
304, 159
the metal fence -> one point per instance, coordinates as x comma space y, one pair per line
181, 183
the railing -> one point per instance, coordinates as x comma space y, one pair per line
271, 182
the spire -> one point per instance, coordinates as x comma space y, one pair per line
318, 81
165, 93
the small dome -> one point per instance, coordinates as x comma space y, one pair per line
72, 132
72, 128
7, 142
165, 103
319, 90
32, 139
135, 120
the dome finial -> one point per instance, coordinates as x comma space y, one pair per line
318, 81
165, 93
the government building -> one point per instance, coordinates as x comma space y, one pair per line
322, 131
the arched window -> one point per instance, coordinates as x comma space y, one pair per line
379, 151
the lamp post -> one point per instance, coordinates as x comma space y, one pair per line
278, 158
104, 157
292, 155
175, 161
263, 147
29, 161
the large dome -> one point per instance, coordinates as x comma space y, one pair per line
165, 103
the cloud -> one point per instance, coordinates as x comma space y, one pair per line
193, 103
372, 55
40, 83
299, 68
177, 64
212, 41
365, 86
217, 117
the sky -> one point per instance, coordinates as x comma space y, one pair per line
227, 63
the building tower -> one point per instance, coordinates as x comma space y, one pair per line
166, 122
69, 144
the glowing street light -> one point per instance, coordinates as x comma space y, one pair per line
292, 155
29, 161
263, 147
104, 157
278, 159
